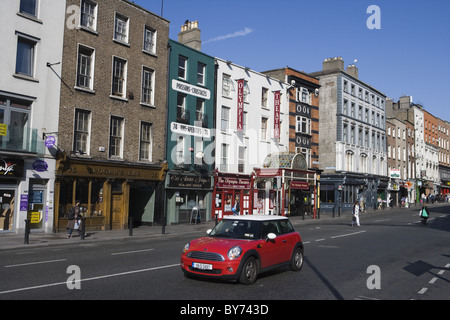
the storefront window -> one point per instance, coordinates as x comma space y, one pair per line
7, 199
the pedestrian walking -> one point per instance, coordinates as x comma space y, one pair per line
424, 214
355, 218
75, 220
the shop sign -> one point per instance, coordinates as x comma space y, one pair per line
240, 105
11, 167
40, 166
277, 98
191, 90
299, 185
189, 181
233, 183
3, 129
186, 129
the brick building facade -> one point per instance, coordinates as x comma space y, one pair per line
112, 126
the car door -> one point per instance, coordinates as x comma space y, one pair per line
272, 252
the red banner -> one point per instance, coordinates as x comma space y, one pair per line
277, 96
240, 106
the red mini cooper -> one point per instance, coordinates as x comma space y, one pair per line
241, 247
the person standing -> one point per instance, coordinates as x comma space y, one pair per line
424, 214
355, 219
75, 220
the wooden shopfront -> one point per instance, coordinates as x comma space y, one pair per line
106, 190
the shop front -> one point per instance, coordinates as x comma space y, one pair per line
229, 190
110, 193
188, 192
11, 171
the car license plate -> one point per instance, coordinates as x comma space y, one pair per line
202, 266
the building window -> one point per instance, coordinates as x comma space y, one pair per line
201, 70
182, 114
241, 159
349, 155
182, 67
225, 119
199, 109
180, 150
149, 40
147, 86
227, 86
303, 125
89, 14
29, 7
264, 128
121, 28
116, 138
224, 158
264, 97
15, 116
85, 68
119, 77
145, 150
25, 56
82, 131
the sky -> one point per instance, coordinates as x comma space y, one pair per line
401, 48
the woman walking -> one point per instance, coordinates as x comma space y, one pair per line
355, 214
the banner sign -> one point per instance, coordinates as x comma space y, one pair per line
277, 95
240, 106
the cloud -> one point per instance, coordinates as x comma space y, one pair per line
240, 33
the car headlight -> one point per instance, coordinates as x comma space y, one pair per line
234, 253
186, 247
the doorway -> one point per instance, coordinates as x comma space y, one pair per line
7, 200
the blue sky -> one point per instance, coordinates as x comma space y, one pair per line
409, 55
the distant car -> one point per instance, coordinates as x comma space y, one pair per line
242, 247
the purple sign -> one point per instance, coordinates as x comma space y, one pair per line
50, 141
24, 202
40, 165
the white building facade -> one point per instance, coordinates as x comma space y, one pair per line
32, 44
251, 123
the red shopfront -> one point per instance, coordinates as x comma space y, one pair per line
228, 190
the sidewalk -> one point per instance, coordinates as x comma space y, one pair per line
13, 241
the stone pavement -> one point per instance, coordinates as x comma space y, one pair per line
13, 241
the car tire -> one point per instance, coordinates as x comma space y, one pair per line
249, 271
297, 259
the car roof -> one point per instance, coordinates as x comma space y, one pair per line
256, 217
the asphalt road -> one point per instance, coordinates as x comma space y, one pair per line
391, 256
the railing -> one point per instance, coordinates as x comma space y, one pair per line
19, 139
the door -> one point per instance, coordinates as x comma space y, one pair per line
7, 199
116, 212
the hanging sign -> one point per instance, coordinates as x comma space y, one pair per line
277, 95
240, 106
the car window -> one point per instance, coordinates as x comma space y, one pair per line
286, 226
270, 227
237, 229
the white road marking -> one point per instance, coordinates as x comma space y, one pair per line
90, 279
33, 263
422, 291
128, 252
348, 234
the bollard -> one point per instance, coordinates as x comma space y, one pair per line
130, 226
27, 232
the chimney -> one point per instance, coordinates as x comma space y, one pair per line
333, 65
353, 70
190, 35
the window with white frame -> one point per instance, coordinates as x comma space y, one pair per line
227, 86
303, 125
180, 150
225, 119
119, 82
147, 96
149, 40
82, 131
26, 51
201, 72
264, 97
264, 127
224, 158
89, 15
121, 28
85, 68
116, 137
303, 95
15, 115
241, 159
29, 7
182, 67
145, 143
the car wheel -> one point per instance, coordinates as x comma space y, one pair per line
297, 259
249, 271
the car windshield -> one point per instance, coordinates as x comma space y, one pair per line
237, 229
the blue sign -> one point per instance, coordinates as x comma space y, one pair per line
40, 166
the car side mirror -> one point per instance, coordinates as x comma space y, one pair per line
271, 237
208, 231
